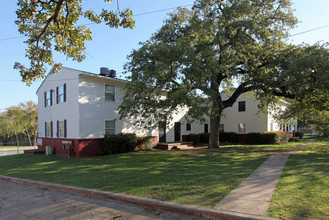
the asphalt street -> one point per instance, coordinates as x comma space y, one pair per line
19, 201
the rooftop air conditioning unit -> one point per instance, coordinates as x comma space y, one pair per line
104, 71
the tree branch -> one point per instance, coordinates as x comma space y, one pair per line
52, 18
242, 88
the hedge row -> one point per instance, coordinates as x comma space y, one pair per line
203, 138
123, 143
275, 137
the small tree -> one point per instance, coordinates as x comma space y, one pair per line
12, 123
21, 119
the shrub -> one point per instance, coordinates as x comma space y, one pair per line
228, 137
195, 138
146, 143
262, 138
204, 138
273, 137
199, 138
282, 137
299, 134
120, 143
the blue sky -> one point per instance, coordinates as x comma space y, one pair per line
110, 47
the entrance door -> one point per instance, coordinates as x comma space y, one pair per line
162, 131
177, 131
206, 130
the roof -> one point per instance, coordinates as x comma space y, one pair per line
84, 73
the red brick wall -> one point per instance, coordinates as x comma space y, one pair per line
89, 147
78, 147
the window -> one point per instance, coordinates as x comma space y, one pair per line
48, 98
49, 129
242, 128
109, 127
221, 128
206, 130
242, 106
188, 127
61, 94
62, 129
109, 93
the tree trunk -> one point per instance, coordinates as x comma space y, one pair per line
29, 137
214, 132
216, 112
17, 140
35, 138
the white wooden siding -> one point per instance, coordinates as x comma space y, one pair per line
94, 109
67, 110
254, 121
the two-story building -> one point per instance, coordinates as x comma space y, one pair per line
76, 108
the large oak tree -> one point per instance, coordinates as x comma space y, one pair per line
200, 53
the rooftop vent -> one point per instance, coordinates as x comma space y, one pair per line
112, 73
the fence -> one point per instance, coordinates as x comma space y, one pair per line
21, 143
11, 150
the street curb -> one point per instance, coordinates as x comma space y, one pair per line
138, 201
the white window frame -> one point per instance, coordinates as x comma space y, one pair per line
61, 129
48, 129
109, 130
188, 126
60, 94
109, 96
245, 106
48, 98
242, 128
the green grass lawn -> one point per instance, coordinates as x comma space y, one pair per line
303, 190
258, 148
194, 178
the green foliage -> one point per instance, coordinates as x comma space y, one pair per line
199, 53
195, 138
228, 137
282, 137
275, 137
52, 25
224, 137
202, 138
301, 73
262, 138
119, 143
146, 143
19, 121
299, 134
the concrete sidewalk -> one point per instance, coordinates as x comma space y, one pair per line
253, 196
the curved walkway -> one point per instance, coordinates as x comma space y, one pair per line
253, 196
